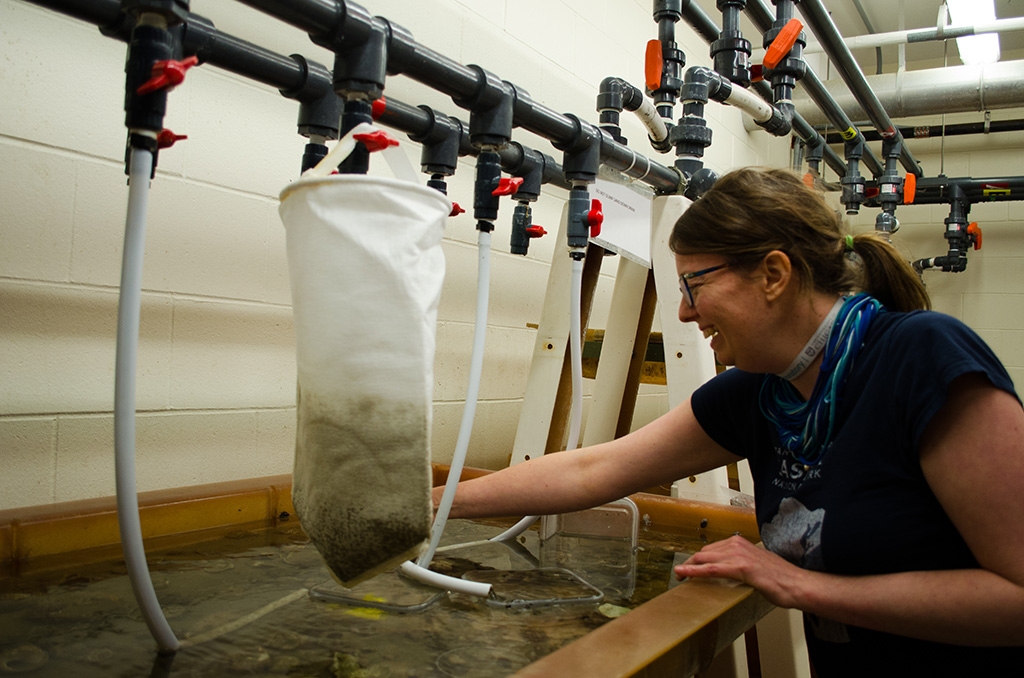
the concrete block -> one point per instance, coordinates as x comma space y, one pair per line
60, 347
230, 355
206, 241
29, 450
37, 198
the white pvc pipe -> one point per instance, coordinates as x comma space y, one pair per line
576, 363
751, 104
128, 312
652, 120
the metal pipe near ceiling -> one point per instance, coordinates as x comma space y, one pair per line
828, 35
932, 131
956, 89
709, 31
762, 17
916, 35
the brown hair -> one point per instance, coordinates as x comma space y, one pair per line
751, 211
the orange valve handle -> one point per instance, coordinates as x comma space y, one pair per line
974, 231
782, 43
909, 189
653, 65
376, 141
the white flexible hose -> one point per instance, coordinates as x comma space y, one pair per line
576, 353
476, 364
443, 581
128, 312
576, 362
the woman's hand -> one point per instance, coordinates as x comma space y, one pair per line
736, 558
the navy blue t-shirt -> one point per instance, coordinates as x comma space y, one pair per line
866, 507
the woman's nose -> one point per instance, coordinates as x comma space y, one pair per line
687, 313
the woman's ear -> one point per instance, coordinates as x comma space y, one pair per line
778, 273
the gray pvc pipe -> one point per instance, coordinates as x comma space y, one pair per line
128, 312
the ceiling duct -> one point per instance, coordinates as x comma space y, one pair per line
956, 89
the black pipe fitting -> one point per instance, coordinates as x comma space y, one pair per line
488, 176
956, 231
578, 226
610, 98
314, 81
523, 230
701, 181
356, 111
360, 67
582, 153
781, 122
692, 135
531, 168
491, 109
173, 11
853, 182
441, 143
667, 14
890, 186
731, 52
149, 44
614, 96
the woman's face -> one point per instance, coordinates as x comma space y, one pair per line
726, 307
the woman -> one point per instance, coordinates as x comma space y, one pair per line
886, 442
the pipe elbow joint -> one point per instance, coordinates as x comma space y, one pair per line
781, 122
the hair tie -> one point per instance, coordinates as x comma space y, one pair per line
849, 242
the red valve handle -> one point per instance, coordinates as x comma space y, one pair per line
167, 74
653, 65
595, 217
376, 141
508, 186
166, 138
456, 210
782, 43
909, 189
378, 107
535, 231
974, 231
756, 72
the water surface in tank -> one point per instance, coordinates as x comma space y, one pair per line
241, 603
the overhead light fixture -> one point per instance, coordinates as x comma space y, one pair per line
974, 49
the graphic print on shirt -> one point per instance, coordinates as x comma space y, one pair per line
795, 534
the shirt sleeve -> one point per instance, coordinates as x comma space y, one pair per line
929, 351
726, 407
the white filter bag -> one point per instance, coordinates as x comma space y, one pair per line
366, 269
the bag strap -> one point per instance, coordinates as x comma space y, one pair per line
375, 139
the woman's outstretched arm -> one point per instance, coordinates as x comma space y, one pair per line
671, 447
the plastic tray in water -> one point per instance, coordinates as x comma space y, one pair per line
535, 588
616, 520
387, 591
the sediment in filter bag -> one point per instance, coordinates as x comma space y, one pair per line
358, 477
366, 270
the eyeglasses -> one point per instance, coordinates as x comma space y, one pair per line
685, 277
